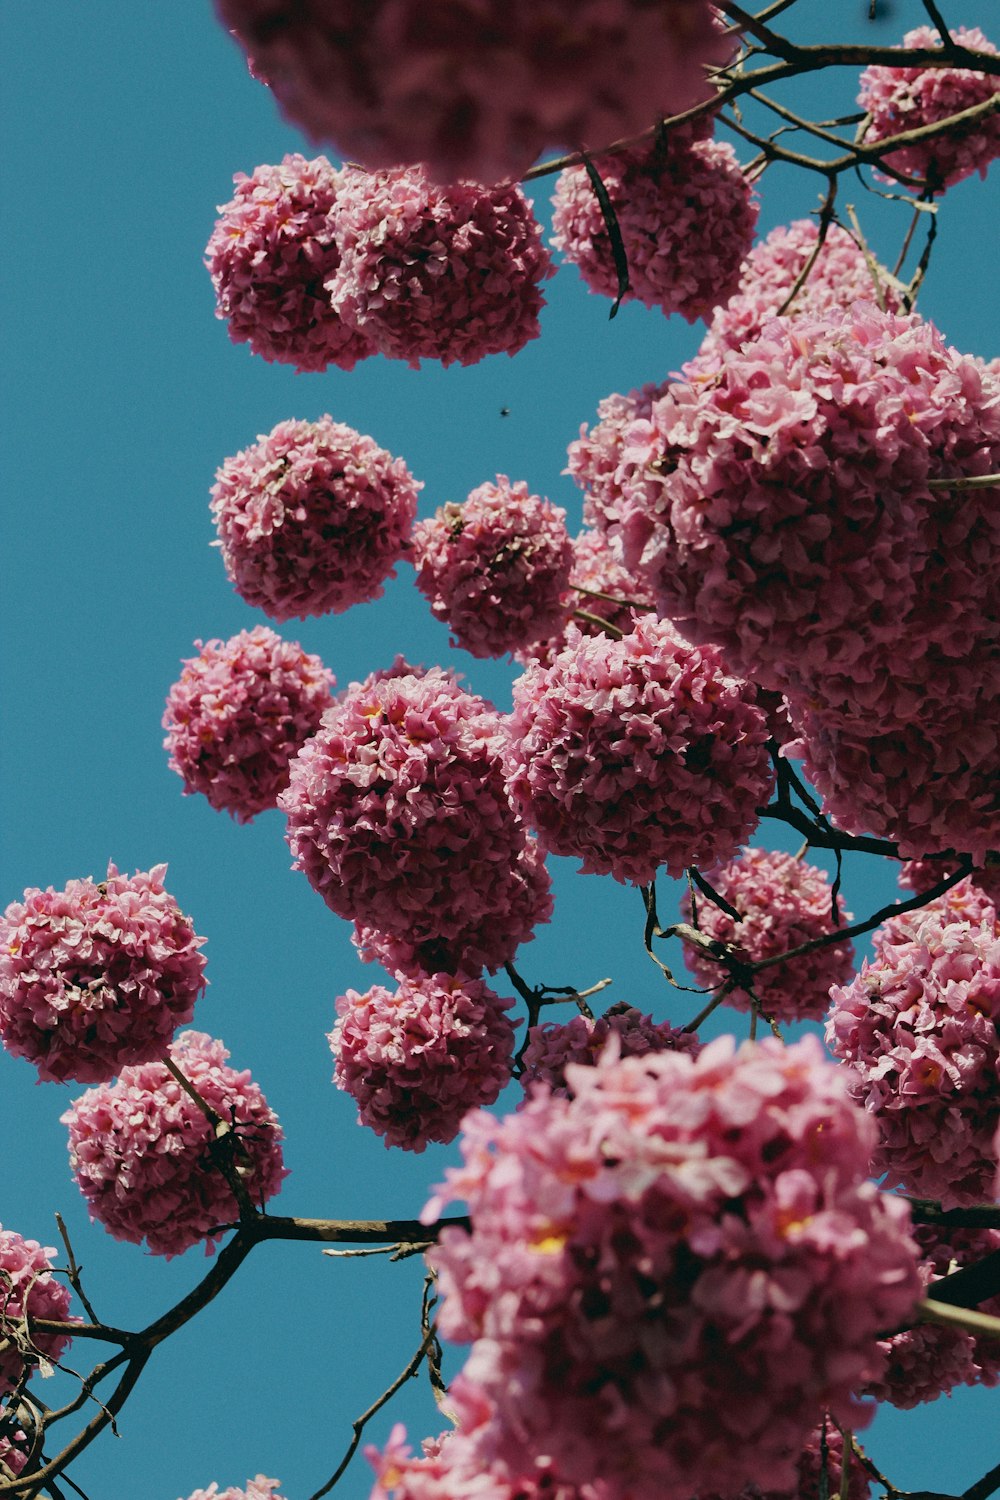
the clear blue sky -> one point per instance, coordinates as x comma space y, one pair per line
123, 126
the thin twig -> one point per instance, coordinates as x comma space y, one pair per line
73, 1271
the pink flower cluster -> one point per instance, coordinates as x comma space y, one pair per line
596, 569
687, 217
638, 753
721, 1200
141, 1148
476, 91
312, 518
260, 1488
495, 569
399, 816
417, 1059
437, 273
909, 98
596, 459
554, 1045
981, 888
271, 252
918, 1029
97, 975
782, 902
239, 712
27, 1289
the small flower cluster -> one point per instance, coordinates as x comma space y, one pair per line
239, 712
27, 1289
312, 517
260, 1488
142, 1149
554, 1045
97, 975
417, 1059
595, 570
597, 464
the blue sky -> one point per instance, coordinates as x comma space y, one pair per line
124, 124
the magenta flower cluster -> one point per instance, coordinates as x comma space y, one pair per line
141, 1148
783, 902
416, 1059
638, 753
496, 568
270, 255
312, 518
27, 1289
260, 1488
239, 712
554, 1044
720, 1199
918, 1030
97, 975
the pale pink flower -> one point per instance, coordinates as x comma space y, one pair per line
260, 1488
27, 1289
555, 1044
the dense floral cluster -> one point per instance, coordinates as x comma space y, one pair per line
271, 252
260, 1488
981, 888
399, 816
312, 518
687, 216
476, 90
918, 1028
783, 902
908, 98
602, 592
495, 569
28, 1288
416, 1059
240, 710
638, 753
97, 975
722, 1196
437, 273
554, 1044
597, 463
142, 1149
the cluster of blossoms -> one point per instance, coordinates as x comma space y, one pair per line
918, 1029
418, 1058
638, 753
597, 463
722, 1198
908, 98
260, 1488
601, 592
142, 1149
496, 568
783, 902
581, 1040
239, 712
982, 886
312, 518
96, 976
27, 1289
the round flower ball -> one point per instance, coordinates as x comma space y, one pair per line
417, 1058
239, 712
437, 273
597, 462
582, 1040
721, 1200
687, 216
269, 256
312, 518
96, 976
899, 99
28, 1290
637, 754
783, 902
495, 569
142, 1150
260, 1488
476, 91
917, 1029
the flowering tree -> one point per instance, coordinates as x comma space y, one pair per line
673, 1269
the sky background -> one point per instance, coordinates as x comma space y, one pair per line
123, 125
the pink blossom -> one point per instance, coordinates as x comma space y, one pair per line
27, 1289
495, 568
260, 1488
437, 273
977, 891
97, 975
312, 518
553, 1045
271, 251
596, 458
638, 753
239, 712
141, 1148
621, 598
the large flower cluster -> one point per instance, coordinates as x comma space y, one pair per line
476, 90
597, 463
670, 1275
554, 1045
271, 252
496, 568
260, 1488
908, 98
602, 592
28, 1289
416, 1059
97, 975
312, 518
239, 712
918, 1028
638, 753
783, 902
142, 1149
